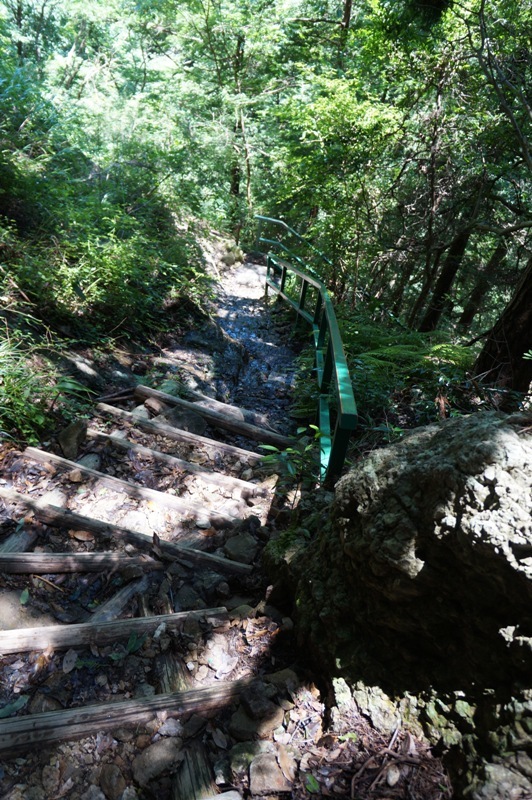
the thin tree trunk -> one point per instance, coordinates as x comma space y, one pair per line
501, 360
446, 279
483, 284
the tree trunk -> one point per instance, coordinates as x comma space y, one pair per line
446, 279
483, 284
501, 360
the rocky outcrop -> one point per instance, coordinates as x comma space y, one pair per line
429, 586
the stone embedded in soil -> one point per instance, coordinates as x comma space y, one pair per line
186, 598
91, 461
71, 437
266, 776
242, 727
243, 753
184, 420
242, 547
112, 782
284, 678
257, 705
159, 758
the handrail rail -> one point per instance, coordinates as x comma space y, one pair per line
296, 234
331, 364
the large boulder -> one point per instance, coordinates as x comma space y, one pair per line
428, 588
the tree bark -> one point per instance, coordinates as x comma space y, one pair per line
483, 284
446, 279
501, 360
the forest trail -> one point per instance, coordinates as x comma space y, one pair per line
132, 595
144, 654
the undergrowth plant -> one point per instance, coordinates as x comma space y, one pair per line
401, 378
31, 389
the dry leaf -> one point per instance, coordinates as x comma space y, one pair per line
69, 661
81, 536
287, 763
393, 775
219, 738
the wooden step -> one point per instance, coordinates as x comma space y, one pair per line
208, 475
60, 637
25, 733
217, 518
218, 419
53, 515
170, 432
44, 563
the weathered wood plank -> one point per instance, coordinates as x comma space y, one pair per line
159, 429
22, 640
194, 779
19, 542
24, 733
254, 417
43, 563
218, 419
112, 608
208, 475
218, 518
53, 515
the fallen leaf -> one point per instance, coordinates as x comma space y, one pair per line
69, 661
16, 705
287, 763
81, 536
311, 784
393, 774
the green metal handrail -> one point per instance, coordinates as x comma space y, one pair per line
331, 364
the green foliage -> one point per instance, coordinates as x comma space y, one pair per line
299, 464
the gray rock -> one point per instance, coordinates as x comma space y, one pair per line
266, 776
243, 727
428, 584
71, 438
187, 598
112, 782
91, 461
225, 796
93, 793
159, 758
183, 419
243, 753
242, 547
140, 412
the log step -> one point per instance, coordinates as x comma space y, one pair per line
218, 518
208, 475
159, 429
218, 419
44, 563
53, 515
24, 733
80, 634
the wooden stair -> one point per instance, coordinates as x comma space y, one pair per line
148, 558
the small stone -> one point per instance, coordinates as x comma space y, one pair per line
242, 727
75, 475
112, 781
257, 705
71, 437
171, 727
285, 678
92, 793
243, 753
225, 796
50, 778
266, 776
91, 461
161, 757
242, 548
